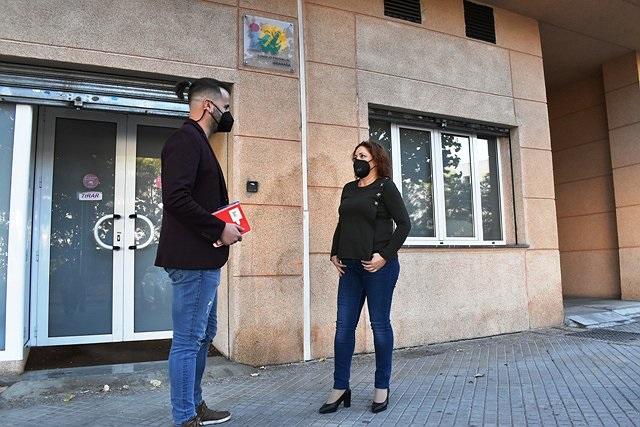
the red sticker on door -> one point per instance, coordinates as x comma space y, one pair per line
90, 181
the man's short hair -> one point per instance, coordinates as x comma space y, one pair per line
203, 87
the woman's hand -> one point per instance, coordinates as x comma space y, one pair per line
339, 265
376, 263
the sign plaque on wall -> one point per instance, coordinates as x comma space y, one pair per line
268, 43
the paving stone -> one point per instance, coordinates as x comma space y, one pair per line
545, 377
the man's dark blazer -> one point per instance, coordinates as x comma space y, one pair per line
193, 187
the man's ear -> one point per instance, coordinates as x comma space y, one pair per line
213, 109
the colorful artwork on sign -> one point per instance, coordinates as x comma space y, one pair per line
268, 43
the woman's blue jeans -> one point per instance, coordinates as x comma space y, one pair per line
356, 285
194, 312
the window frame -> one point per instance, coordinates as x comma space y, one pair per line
440, 238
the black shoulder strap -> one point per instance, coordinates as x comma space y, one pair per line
380, 192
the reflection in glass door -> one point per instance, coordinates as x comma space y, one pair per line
148, 299
100, 214
81, 196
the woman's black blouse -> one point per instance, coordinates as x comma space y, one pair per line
366, 221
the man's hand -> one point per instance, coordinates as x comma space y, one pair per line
231, 234
376, 263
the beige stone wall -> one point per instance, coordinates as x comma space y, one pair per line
622, 92
584, 190
165, 37
355, 57
260, 299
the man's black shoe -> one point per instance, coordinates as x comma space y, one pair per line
193, 422
210, 417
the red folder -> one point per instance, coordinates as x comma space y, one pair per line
233, 214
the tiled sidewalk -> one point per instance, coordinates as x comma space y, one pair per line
546, 377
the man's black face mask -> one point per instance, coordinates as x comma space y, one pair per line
226, 120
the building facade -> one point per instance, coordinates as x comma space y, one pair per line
513, 130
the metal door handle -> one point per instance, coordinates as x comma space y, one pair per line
152, 232
96, 229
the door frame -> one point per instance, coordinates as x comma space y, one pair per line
133, 121
42, 225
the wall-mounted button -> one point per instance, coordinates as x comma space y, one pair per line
252, 186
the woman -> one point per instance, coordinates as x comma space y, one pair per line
365, 253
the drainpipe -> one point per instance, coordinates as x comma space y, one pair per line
306, 279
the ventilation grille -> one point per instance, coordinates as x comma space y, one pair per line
479, 22
408, 10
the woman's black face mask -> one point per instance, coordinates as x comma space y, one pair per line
361, 168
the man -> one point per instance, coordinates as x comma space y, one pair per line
194, 244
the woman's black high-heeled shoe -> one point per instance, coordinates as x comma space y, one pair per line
379, 407
327, 408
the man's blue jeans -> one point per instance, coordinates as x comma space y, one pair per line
356, 285
194, 313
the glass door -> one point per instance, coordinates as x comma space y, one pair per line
147, 292
81, 203
100, 211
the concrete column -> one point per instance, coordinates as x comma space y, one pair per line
622, 92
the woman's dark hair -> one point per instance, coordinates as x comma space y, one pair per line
199, 87
379, 155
